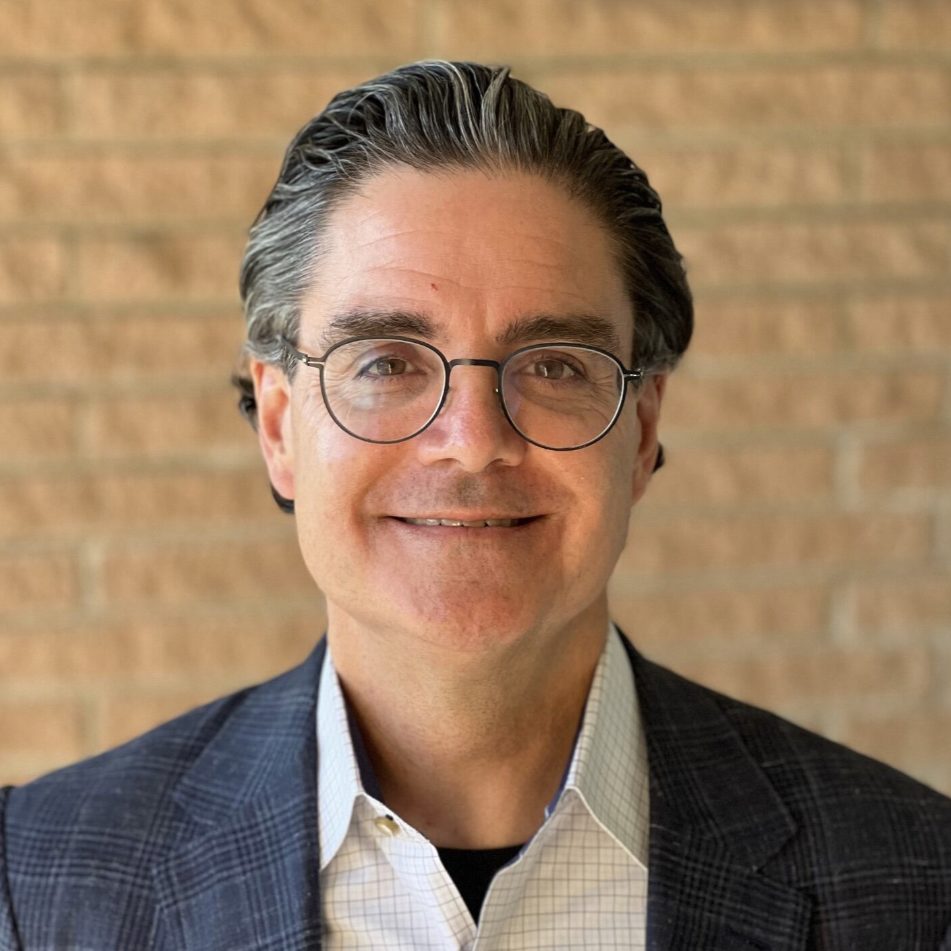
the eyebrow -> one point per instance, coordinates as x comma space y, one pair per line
377, 323
575, 328
581, 328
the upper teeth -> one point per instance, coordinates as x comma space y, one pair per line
456, 523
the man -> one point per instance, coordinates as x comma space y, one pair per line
463, 305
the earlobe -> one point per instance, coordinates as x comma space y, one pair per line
649, 451
275, 433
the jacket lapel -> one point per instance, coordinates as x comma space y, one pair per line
245, 872
716, 820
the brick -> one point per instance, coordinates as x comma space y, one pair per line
765, 252
808, 399
97, 27
50, 727
37, 429
911, 463
903, 95
249, 646
155, 266
205, 571
602, 27
300, 26
919, 173
118, 187
915, 24
743, 476
31, 106
126, 348
168, 345
73, 652
151, 648
31, 269
693, 543
784, 681
67, 504
746, 176
60, 350
890, 323
744, 326
173, 423
903, 604
65, 28
31, 581
695, 100
182, 105
672, 625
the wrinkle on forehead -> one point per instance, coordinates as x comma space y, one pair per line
470, 247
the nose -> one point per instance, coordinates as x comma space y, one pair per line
471, 429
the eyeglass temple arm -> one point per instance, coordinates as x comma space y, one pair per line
304, 358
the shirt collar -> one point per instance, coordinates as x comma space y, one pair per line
338, 773
607, 769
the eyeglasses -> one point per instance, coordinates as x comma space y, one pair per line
559, 396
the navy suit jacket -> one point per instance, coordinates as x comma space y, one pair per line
202, 834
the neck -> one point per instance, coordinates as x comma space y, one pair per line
469, 746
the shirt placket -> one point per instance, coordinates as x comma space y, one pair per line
416, 864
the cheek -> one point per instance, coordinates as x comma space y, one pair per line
320, 446
602, 504
327, 475
613, 488
331, 485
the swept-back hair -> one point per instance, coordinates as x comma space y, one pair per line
441, 115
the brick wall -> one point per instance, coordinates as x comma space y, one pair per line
797, 549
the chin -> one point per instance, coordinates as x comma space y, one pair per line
452, 621
474, 624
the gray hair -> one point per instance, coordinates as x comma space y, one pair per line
437, 115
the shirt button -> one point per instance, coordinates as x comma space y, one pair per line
387, 825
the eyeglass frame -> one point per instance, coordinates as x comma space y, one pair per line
635, 376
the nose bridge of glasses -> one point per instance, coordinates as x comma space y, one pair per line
472, 362
477, 395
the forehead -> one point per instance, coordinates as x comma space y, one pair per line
472, 252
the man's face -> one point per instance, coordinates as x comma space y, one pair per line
467, 262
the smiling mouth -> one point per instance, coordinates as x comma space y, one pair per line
476, 523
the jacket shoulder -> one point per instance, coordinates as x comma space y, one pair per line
118, 788
79, 845
817, 773
848, 808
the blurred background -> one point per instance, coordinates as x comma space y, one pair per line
796, 550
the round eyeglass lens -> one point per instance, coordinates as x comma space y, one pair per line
382, 390
562, 397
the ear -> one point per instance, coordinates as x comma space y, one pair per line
648, 417
275, 432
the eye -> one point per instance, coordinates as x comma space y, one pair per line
554, 368
385, 366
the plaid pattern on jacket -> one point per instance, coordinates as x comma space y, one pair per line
202, 835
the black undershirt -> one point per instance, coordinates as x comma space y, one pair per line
472, 871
